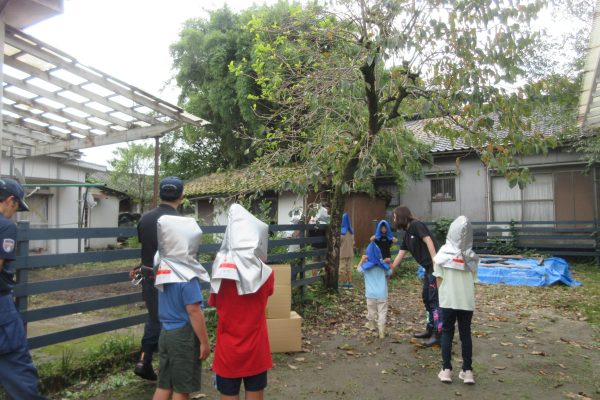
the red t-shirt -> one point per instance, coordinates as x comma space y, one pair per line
242, 347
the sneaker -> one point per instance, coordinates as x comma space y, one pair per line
370, 325
145, 371
467, 377
445, 375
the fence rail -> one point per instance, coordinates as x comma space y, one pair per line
309, 247
557, 238
561, 238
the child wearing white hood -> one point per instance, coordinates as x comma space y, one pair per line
240, 286
455, 268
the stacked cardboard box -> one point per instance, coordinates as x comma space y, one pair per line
284, 325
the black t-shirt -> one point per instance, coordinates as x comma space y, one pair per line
384, 245
148, 232
317, 232
413, 242
8, 243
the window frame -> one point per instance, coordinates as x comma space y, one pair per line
442, 181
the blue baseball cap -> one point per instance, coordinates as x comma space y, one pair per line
14, 188
171, 188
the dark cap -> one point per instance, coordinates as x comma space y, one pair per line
171, 188
14, 188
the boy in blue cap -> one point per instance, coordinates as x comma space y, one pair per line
376, 271
18, 375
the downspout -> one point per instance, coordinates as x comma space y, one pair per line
488, 194
2, 36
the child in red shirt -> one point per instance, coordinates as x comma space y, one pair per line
240, 286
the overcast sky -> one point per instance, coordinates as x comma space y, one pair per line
128, 39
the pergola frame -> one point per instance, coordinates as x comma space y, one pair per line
589, 100
54, 105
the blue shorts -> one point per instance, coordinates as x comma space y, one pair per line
231, 386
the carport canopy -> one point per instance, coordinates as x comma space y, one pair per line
54, 105
589, 101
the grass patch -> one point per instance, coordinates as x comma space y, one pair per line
584, 300
72, 367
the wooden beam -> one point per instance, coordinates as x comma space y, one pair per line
60, 59
36, 104
33, 131
23, 84
40, 117
101, 140
77, 89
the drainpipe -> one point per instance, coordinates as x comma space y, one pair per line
488, 196
2, 33
156, 165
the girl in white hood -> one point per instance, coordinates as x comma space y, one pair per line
455, 268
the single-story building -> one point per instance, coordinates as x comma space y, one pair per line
458, 183
211, 194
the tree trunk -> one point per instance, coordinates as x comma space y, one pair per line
338, 201
333, 238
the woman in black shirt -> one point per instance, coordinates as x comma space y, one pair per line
418, 240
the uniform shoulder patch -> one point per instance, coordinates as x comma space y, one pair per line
8, 245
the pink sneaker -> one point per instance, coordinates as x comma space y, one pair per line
445, 375
467, 377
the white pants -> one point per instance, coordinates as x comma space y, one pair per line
377, 310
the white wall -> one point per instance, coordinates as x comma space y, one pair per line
104, 215
287, 202
470, 189
220, 213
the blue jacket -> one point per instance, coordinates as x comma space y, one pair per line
346, 225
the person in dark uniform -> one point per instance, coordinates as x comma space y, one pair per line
18, 375
171, 195
418, 240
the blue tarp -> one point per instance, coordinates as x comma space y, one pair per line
552, 271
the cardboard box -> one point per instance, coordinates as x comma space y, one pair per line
279, 304
285, 334
283, 274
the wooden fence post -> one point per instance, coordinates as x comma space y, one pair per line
597, 241
22, 275
302, 259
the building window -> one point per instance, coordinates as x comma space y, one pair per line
535, 202
443, 189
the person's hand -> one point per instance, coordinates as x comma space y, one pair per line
204, 351
133, 272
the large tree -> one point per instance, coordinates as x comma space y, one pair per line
345, 78
201, 60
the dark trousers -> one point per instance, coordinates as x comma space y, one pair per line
450, 316
18, 375
430, 300
152, 326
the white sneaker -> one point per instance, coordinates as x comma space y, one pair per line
467, 377
370, 325
445, 375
